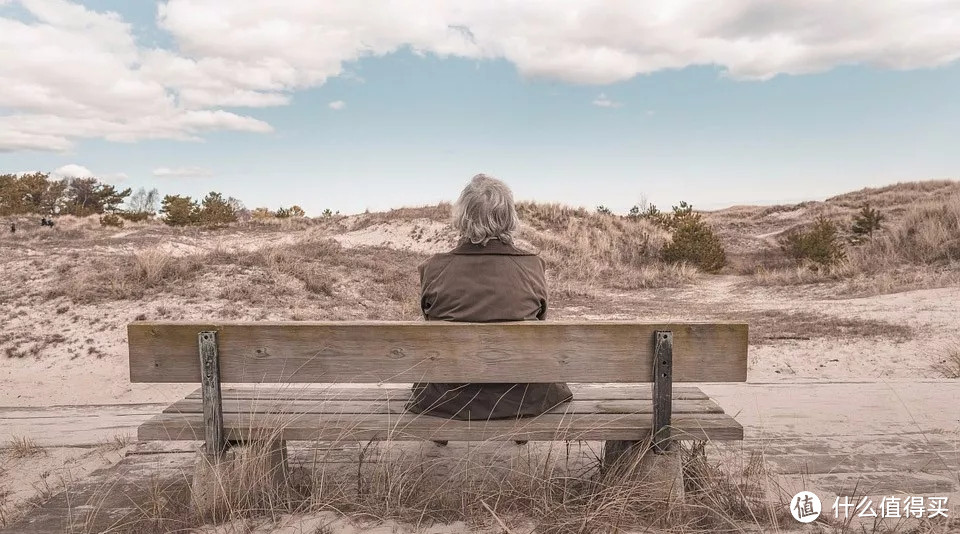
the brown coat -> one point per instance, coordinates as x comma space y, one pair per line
491, 283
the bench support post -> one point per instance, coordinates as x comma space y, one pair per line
662, 390
215, 444
615, 451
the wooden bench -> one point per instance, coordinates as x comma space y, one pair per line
589, 355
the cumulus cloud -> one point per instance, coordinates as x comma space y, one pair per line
337, 105
70, 73
73, 170
602, 101
93, 80
182, 172
296, 43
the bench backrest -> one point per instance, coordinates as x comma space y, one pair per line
532, 351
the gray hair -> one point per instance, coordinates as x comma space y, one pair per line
485, 211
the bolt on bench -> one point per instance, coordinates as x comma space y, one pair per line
595, 357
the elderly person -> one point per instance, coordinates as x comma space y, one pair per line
485, 279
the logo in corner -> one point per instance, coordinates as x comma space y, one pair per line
805, 507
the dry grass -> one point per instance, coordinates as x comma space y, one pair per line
774, 326
898, 194
928, 235
582, 250
440, 212
922, 250
948, 362
558, 487
391, 481
128, 276
606, 250
309, 269
23, 447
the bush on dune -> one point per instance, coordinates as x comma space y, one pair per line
694, 242
819, 244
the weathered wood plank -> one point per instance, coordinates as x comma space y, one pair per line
396, 406
333, 392
662, 390
211, 405
415, 427
436, 351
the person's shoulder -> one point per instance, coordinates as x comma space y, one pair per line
435, 261
530, 262
525, 248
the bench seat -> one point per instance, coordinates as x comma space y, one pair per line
335, 413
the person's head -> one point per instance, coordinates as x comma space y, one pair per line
485, 211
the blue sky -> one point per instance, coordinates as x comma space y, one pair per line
407, 119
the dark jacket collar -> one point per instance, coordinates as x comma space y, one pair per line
494, 247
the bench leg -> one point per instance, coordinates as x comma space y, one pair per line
250, 474
276, 462
636, 460
615, 452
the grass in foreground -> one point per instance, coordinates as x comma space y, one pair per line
542, 487
948, 364
23, 447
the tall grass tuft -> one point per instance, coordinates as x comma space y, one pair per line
618, 252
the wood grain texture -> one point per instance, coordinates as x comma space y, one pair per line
358, 352
662, 390
211, 407
397, 406
408, 427
334, 392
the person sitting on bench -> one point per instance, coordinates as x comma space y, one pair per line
485, 279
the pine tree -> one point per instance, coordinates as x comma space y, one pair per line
867, 222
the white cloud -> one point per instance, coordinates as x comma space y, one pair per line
182, 172
294, 43
603, 101
337, 105
93, 80
69, 73
71, 171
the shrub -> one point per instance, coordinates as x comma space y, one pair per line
261, 214
820, 244
664, 220
111, 219
603, 210
865, 223
217, 210
88, 196
695, 242
178, 210
297, 211
134, 216
30, 193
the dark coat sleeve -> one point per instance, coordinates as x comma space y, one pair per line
424, 302
542, 316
